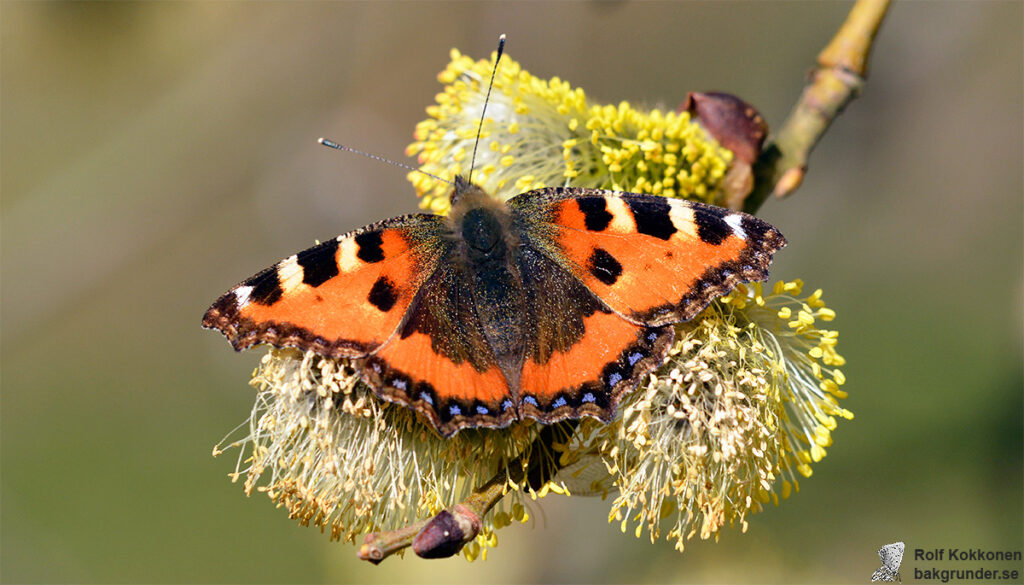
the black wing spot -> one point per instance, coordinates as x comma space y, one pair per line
266, 287
319, 264
595, 213
711, 227
370, 247
604, 266
652, 217
383, 294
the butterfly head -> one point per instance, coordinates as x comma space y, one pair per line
464, 192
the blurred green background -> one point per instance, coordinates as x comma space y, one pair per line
154, 154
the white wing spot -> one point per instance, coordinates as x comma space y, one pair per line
735, 221
622, 218
242, 295
347, 250
681, 215
290, 273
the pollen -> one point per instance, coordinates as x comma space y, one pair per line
746, 402
558, 138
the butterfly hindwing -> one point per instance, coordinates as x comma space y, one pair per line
440, 363
580, 355
342, 298
654, 260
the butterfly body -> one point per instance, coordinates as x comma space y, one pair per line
486, 252
550, 306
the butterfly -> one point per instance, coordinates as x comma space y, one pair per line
551, 306
891, 556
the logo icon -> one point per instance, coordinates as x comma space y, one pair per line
892, 556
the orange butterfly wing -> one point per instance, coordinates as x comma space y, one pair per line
342, 298
440, 362
654, 260
580, 356
648, 262
387, 293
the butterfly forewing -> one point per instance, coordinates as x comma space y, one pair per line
654, 260
342, 298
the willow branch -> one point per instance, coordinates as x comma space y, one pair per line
446, 533
838, 79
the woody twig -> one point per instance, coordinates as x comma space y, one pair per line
837, 80
446, 533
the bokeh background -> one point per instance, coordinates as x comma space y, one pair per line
153, 154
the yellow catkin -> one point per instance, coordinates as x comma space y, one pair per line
547, 129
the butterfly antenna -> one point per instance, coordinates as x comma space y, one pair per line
336, 146
483, 112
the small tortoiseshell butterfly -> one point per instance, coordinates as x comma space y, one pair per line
550, 306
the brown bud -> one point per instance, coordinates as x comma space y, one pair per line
446, 533
736, 125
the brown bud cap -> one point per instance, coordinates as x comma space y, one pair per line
734, 123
